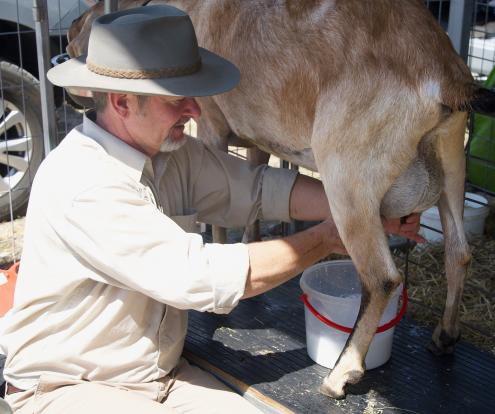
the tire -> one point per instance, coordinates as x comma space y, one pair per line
21, 138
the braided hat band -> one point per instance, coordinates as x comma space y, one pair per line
142, 73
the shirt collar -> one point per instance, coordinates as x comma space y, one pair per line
130, 158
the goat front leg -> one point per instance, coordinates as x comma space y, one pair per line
355, 206
457, 253
368, 247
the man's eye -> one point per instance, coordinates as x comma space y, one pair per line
177, 102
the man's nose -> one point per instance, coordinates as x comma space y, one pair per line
192, 108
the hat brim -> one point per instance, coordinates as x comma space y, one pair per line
217, 75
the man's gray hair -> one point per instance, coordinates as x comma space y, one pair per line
101, 99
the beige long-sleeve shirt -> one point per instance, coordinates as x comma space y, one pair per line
110, 268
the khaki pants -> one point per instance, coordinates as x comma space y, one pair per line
188, 389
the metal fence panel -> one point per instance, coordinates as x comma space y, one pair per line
22, 115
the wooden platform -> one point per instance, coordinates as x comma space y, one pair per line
259, 349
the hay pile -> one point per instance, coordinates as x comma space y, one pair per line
427, 288
11, 239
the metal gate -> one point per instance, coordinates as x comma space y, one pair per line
30, 32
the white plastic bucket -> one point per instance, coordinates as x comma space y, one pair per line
332, 296
474, 219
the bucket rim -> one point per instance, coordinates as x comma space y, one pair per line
319, 295
325, 297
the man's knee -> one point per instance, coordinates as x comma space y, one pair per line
95, 398
194, 390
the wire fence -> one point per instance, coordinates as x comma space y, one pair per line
22, 146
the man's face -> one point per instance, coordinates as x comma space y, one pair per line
157, 122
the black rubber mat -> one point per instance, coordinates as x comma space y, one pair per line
260, 348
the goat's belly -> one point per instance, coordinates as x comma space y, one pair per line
416, 190
303, 157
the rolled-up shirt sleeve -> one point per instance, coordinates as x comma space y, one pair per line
275, 193
126, 241
230, 192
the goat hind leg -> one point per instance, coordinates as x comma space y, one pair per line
457, 258
457, 253
355, 207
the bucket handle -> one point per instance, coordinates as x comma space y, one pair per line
346, 329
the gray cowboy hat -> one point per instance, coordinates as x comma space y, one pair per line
149, 50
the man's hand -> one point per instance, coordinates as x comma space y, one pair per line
407, 227
333, 239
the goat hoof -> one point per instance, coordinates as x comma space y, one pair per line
337, 394
333, 386
444, 344
434, 348
353, 377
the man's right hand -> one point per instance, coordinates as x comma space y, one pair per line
335, 243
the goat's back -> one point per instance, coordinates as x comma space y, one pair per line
290, 52
297, 56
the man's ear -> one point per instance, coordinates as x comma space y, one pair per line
120, 103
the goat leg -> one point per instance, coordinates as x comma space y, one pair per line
457, 253
379, 279
355, 208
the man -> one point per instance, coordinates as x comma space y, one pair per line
111, 263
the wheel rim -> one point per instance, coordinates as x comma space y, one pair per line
15, 146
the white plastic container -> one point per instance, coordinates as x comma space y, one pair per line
333, 290
475, 215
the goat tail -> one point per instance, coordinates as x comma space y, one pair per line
482, 102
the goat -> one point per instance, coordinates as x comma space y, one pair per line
371, 94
